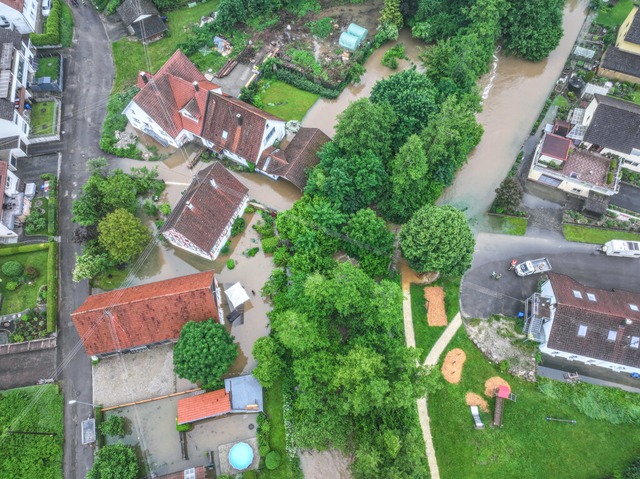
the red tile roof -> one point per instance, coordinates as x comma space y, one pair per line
204, 211
556, 146
200, 474
142, 315
203, 406
610, 311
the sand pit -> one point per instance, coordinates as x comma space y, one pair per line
452, 366
474, 399
491, 384
436, 314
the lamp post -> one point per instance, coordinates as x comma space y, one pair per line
73, 401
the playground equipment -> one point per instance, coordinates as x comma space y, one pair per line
501, 393
475, 412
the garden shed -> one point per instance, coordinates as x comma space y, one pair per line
353, 37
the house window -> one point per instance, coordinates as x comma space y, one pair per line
224, 134
612, 335
577, 294
634, 307
271, 133
591, 296
635, 342
582, 331
190, 473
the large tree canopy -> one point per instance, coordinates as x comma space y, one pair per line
369, 240
204, 352
114, 461
533, 29
438, 238
122, 235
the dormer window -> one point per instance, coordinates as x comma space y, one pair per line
186, 114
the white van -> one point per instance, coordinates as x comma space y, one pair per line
622, 248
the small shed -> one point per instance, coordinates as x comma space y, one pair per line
357, 31
236, 295
353, 37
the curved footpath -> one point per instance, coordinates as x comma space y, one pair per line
89, 76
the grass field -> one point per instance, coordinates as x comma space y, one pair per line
286, 101
43, 118
585, 234
612, 17
112, 279
49, 67
25, 296
273, 408
509, 225
527, 446
32, 409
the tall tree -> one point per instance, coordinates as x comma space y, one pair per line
532, 29
438, 238
268, 354
122, 235
370, 241
204, 352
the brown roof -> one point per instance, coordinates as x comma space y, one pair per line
200, 474
204, 211
611, 311
142, 315
203, 406
170, 90
588, 167
555, 146
299, 156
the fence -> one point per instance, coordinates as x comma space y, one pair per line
35, 345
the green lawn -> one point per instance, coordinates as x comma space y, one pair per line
43, 118
513, 225
527, 446
66, 25
273, 409
586, 234
25, 296
49, 67
612, 17
112, 279
560, 100
32, 409
129, 55
286, 101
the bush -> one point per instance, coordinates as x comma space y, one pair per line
183, 427
281, 256
269, 245
116, 121
252, 252
12, 269
31, 273
113, 426
298, 80
51, 36
390, 58
231, 263
52, 287
321, 28
239, 224
272, 461
264, 450
226, 248
11, 286
632, 471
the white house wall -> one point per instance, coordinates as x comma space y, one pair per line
140, 120
25, 21
586, 360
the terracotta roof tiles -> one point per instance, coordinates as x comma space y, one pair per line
203, 406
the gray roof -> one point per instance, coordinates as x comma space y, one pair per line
615, 125
130, 10
11, 36
633, 35
244, 390
6, 109
149, 27
619, 61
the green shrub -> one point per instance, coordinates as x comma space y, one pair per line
12, 269
231, 263
31, 273
11, 286
66, 26
183, 427
226, 248
298, 80
239, 224
116, 121
112, 426
249, 209
272, 461
8, 250
281, 256
52, 287
51, 35
264, 450
610, 178
252, 252
321, 28
269, 245
633, 470
391, 56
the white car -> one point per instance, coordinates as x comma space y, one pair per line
46, 8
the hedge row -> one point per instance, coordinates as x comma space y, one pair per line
9, 249
298, 80
52, 287
52, 216
52, 28
116, 121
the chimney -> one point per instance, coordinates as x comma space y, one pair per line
189, 205
627, 322
239, 118
195, 86
144, 77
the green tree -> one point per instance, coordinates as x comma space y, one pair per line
99, 166
532, 29
119, 192
268, 354
391, 13
633, 470
369, 240
89, 265
299, 332
204, 352
112, 426
114, 461
122, 235
89, 207
411, 95
364, 126
438, 238
508, 197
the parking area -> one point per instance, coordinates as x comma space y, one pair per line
152, 427
24, 369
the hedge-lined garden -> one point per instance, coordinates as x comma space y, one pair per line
51, 35
116, 121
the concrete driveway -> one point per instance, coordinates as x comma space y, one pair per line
481, 296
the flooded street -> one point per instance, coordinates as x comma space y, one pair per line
515, 94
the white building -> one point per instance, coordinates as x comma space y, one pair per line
21, 14
13, 201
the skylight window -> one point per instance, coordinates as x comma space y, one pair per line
635, 342
591, 296
612, 335
224, 134
582, 331
577, 294
634, 307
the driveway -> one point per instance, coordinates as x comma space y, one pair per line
481, 296
30, 169
628, 197
24, 369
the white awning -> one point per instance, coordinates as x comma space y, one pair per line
236, 295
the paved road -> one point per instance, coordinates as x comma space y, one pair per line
24, 369
481, 296
628, 197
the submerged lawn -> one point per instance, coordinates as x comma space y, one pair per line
527, 446
286, 101
585, 234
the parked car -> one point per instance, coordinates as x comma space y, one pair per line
46, 8
526, 268
621, 248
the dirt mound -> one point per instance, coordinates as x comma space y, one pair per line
436, 314
491, 384
474, 399
452, 366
